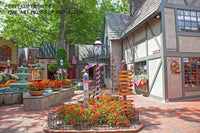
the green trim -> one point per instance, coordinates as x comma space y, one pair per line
183, 54
129, 45
171, 5
150, 57
194, 34
162, 5
140, 41
183, 76
176, 27
186, 2
193, 2
146, 36
133, 47
164, 59
155, 76
152, 33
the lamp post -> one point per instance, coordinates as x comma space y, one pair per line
97, 51
61, 64
8, 63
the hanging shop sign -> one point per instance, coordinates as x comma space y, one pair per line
175, 67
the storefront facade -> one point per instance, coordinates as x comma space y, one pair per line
161, 45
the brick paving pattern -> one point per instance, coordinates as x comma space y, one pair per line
157, 117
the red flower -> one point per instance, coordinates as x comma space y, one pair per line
95, 116
24, 60
111, 99
82, 111
72, 122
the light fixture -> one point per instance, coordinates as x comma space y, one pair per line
97, 47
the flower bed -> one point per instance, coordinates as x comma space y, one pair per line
102, 113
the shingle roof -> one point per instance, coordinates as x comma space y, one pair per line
148, 8
85, 51
48, 51
116, 24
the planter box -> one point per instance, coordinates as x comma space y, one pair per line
48, 99
143, 88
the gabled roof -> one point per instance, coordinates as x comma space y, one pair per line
116, 23
148, 8
85, 51
48, 51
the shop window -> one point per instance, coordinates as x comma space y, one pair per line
140, 68
188, 21
192, 72
5, 53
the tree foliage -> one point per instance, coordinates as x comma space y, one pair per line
32, 22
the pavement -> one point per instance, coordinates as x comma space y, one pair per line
157, 117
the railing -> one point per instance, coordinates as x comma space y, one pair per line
98, 124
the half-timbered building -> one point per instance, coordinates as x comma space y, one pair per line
160, 41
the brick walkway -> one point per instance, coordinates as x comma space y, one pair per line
158, 117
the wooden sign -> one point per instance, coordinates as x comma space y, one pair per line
125, 86
125, 71
125, 83
124, 79
126, 93
124, 75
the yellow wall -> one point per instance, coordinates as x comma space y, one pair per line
13, 47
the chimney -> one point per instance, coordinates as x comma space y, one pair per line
135, 5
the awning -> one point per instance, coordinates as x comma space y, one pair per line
94, 64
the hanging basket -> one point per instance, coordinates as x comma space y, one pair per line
36, 93
56, 89
66, 86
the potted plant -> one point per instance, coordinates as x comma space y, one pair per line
36, 88
55, 85
66, 83
52, 67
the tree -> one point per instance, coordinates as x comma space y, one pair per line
64, 21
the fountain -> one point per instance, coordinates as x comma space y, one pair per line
22, 84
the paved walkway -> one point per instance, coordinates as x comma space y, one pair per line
158, 117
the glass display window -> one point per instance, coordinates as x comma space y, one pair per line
192, 71
140, 68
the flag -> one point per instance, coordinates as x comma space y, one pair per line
6, 70
74, 60
138, 82
59, 70
64, 70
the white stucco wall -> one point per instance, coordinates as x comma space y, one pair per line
128, 45
139, 33
157, 89
140, 50
152, 44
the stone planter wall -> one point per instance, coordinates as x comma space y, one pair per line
46, 100
10, 98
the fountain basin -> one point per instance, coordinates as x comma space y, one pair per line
22, 77
20, 85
